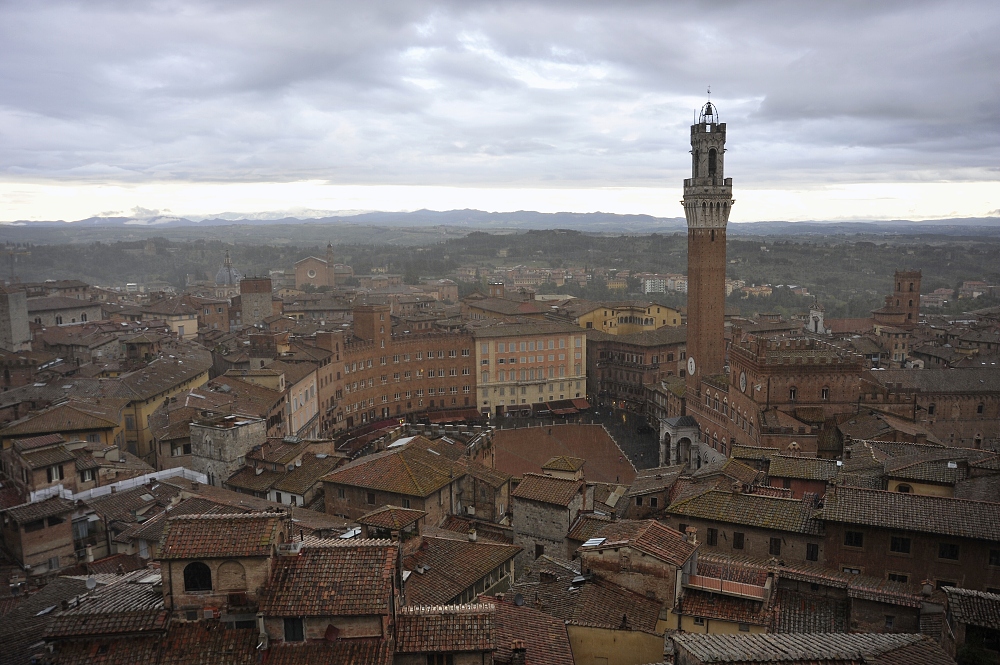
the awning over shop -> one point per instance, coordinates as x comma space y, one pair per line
581, 404
562, 407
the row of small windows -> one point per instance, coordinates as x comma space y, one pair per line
59, 319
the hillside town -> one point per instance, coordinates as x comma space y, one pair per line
297, 464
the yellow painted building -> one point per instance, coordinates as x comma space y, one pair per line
604, 646
625, 318
529, 363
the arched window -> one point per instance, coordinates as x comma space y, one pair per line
711, 162
911, 304
911, 286
904, 489
58, 320
197, 577
83, 317
791, 394
930, 409
695, 156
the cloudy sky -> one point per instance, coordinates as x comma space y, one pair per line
834, 109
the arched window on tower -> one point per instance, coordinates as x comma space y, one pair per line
695, 157
911, 286
711, 162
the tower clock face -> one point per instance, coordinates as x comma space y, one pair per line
743, 382
691, 365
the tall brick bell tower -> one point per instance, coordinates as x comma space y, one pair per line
708, 197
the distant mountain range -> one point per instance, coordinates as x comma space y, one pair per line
596, 222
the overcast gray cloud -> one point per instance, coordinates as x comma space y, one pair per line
497, 94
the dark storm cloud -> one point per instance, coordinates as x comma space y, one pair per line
581, 93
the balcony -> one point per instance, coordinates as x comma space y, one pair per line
726, 587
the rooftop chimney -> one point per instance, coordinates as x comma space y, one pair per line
518, 653
691, 534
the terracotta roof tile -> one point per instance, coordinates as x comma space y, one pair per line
450, 629
974, 607
655, 480
545, 638
648, 536
586, 526
451, 566
412, 469
341, 578
564, 463
547, 489
757, 510
804, 648
806, 468
129, 606
302, 478
707, 605
104, 651
485, 530
208, 536
208, 643
254, 480
29, 512
913, 512
392, 517
341, 652
594, 602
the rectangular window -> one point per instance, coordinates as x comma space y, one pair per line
293, 630
852, 571
406, 503
371, 498
812, 552
713, 537
889, 621
897, 577
854, 539
737, 540
775, 547
744, 628
995, 557
899, 545
699, 621
638, 500
653, 502
948, 551
539, 550
341, 493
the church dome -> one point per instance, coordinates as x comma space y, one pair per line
227, 275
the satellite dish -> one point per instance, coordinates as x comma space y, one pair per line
91, 583
518, 599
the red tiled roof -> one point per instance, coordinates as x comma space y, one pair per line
212, 536
125, 607
208, 643
342, 578
110, 564
449, 628
725, 608
411, 469
913, 512
391, 517
648, 536
104, 651
547, 489
545, 638
341, 652
451, 566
